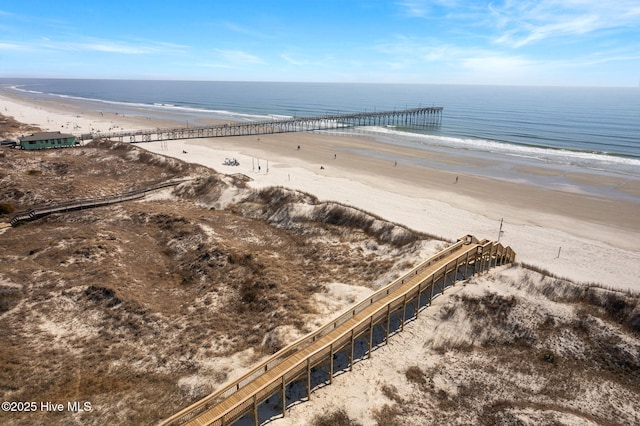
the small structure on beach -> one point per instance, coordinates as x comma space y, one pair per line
231, 162
47, 140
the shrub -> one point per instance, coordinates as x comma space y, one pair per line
336, 418
548, 357
6, 208
617, 306
105, 295
415, 375
387, 416
391, 392
9, 297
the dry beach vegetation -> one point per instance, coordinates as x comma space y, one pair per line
143, 307
162, 300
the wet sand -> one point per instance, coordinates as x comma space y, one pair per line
492, 197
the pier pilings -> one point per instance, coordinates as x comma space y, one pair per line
415, 117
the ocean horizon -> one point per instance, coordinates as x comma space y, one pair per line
571, 128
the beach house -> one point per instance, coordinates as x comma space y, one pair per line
46, 140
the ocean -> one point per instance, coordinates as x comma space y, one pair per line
570, 128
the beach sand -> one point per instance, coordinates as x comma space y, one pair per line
581, 236
596, 238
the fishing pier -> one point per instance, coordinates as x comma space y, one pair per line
415, 117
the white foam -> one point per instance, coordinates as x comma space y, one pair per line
168, 107
594, 160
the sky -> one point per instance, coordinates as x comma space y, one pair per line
510, 42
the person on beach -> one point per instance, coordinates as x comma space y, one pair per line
456, 179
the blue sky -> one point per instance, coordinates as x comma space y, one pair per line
546, 42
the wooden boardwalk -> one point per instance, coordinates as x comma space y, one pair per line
316, 350
87, 203
414, 117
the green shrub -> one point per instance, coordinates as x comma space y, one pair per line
548, 357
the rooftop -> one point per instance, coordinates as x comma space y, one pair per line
45, 135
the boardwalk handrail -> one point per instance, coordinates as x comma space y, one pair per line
364, 321
275, 359
483, 251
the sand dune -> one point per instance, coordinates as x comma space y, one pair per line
596, 238
580, 236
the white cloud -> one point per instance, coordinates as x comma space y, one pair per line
531, 21
209, 65
502, 64
407, 50
398, 65
605, 57
109, 47
244, 30
238, 57
472, 62
11, 46
424, 8
141, 47
516, 24
290, 59
414, 8
437, 53
96, 45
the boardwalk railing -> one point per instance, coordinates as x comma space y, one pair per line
46, 209
294, 362
431, 116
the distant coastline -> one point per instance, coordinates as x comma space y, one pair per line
588, 120
506, 135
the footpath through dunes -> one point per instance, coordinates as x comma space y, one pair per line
37, 212
295, 362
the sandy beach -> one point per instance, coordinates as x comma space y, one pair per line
582, 236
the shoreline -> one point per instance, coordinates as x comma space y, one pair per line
411, 180
597, 235
508, 167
